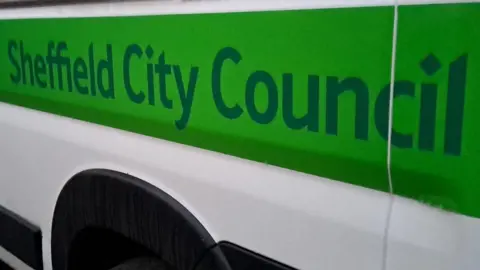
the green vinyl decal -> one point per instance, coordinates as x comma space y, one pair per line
306, 90
297, 89
436, 154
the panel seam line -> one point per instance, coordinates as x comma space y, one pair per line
389, 140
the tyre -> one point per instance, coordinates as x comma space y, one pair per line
142, 264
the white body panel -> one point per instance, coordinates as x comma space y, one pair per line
422, 237
304, 221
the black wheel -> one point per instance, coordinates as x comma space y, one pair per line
142, 264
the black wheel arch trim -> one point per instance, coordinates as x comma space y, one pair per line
129, 206
145, 214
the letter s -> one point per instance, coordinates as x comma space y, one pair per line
12, 45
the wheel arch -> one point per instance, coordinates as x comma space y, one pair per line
124, 204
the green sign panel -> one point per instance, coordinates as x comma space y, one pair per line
305, 90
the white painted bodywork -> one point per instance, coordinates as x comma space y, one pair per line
422, 237
304, 221
301, 220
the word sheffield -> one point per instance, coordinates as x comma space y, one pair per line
93, 75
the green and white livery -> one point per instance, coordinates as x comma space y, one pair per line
318, 134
